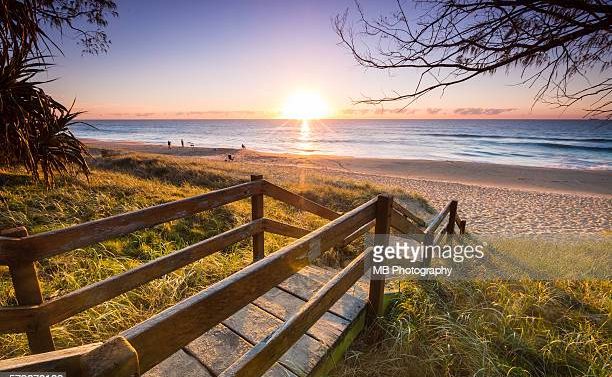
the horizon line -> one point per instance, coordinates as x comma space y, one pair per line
323, 119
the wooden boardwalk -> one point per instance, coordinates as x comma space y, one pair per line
210, 354
279, 316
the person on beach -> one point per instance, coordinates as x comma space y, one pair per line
182, 144
169, 144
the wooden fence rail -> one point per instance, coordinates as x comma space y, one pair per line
139, 347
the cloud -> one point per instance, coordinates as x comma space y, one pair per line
433, 110
481, 111
378, 111
221, 113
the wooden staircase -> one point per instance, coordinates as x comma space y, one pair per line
279, 316
312, 355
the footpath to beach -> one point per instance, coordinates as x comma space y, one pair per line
494, 198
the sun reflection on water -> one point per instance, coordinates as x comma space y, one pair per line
305, 143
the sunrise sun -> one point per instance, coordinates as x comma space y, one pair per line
305, 105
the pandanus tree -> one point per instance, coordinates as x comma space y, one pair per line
34, 128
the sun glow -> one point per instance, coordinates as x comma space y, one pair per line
305, 105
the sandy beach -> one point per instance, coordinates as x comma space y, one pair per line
493, 198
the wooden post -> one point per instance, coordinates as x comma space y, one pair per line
452, 217
462, 227
116, 357
257, 212
27, 291
427, 241
384, 209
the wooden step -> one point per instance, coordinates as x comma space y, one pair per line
217, 349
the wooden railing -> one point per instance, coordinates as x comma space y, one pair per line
433, 233
139, 348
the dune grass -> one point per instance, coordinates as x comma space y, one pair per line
526, 328
489, 326
495, 328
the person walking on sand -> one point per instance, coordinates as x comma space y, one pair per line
182, 143
169, 144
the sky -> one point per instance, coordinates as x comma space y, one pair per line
247, 59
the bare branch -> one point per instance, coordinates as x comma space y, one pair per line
557, 45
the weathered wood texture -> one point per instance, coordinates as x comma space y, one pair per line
298, 201
257, 212
404, 211
403, 225
273, 346
97, 293
68, 360
116, 357
358, 233
283, 229
225, 343
437, 220
60, 308
47, 244
27, 291
384, 213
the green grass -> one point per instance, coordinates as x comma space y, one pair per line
495, 328
129, 182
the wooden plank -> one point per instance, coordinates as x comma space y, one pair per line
323, 275
347, 307
257, 212
218, 348
192, 317
180, 364
270, 348
75, 302
283, 229
403, 225
44, 245
66, 360
436, 221
255, 325
358, 233
384, 212
283, 305
404, 211
19, 318
27, 291
336, 353
298, 201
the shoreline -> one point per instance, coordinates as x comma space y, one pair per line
586, 182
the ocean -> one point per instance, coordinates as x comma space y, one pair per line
580, 144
